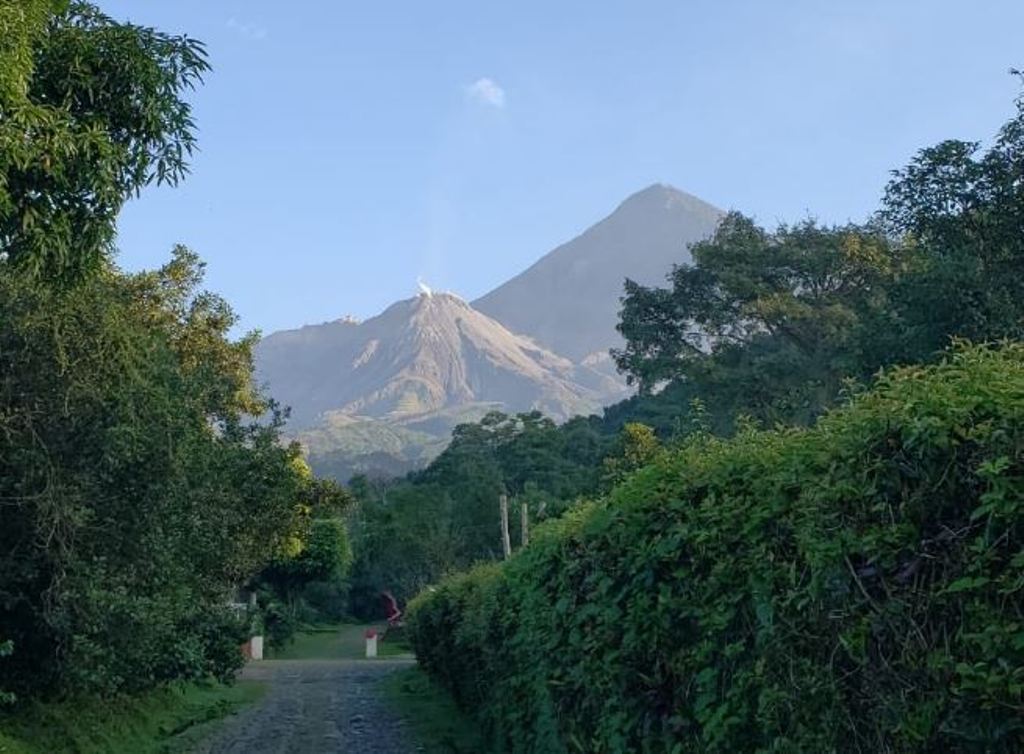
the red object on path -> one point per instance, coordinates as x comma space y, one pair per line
371, 633
394, 615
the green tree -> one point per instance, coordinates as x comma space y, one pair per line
307, 578
765, 323
136, 492
22, 22
405, 536
961, 208
91, 111
135, 495
324, 554
802, 288
771, 324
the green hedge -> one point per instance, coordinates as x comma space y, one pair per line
854, 587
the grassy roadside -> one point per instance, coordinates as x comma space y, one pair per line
159, 722
337, 642
438, 725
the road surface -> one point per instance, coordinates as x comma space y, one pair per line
317, 706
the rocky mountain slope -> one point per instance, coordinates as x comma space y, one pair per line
382, 396
568, 301
390, 389
421, 356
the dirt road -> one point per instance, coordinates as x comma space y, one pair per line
315, 706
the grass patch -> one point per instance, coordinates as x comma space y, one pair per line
439, 726
395, 645
167, 720
341, 642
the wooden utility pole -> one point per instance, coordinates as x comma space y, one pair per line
506, 543
525, 511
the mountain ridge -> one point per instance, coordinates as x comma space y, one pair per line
419, 356
382, 395
568, 300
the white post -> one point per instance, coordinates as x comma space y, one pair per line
371, 644
256, 647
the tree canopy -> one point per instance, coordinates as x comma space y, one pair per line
91, 111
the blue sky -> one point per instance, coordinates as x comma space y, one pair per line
348, 148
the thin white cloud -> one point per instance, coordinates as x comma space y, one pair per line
486, 92
249, 31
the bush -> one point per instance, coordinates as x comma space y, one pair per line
279, 621
308, 585
854, 587
327, 600
135, 495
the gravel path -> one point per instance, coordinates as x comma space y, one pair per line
315, 706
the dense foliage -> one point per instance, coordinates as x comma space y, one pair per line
134, 496
409, 533
853, 587
307, 579
766, 320
136, 493
100, 104
849, 584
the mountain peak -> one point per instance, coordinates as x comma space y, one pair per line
423, 355
393, 387
664, 196
439, 299
568, 301
657, 189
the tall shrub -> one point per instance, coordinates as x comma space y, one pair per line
133, 495
854, 587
